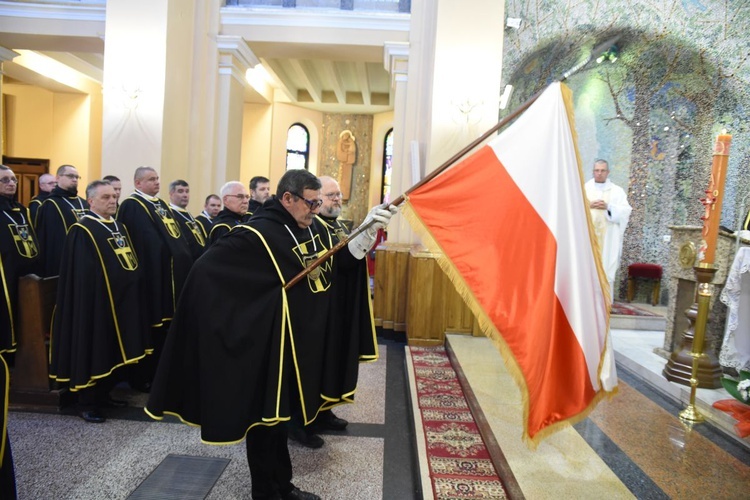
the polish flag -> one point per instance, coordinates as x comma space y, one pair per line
512, 226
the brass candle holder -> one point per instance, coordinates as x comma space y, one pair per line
704, 274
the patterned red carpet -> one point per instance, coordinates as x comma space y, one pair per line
459, 462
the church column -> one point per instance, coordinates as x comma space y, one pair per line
235, 58
5, 55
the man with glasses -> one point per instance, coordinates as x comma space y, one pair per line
179, 197
46, 185
211, 209
19, 256
235, 199
260, 191
265, 354
163, 253
60, 210
100, 321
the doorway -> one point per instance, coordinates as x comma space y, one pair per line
27, 171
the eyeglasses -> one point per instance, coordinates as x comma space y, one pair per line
71, 176
240, 196
312, 204
333, 196
8, 180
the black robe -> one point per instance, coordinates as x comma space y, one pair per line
223, 223
205, 222
100, 321
36, 203
163, 252
252, 207
59, 211
242, 364
7, 471
352, 338
19, 256
192, 231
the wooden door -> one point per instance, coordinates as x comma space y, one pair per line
27, 171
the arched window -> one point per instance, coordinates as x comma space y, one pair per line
297, 147
385, 195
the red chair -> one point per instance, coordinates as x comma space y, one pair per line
644, 271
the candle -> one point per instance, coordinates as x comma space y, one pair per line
713, 200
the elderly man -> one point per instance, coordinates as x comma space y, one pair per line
164, 254
260, 191
179, 197
353, 337
46, 184
235, 199
60, 210
100, 321
211, 209
265, 355
610, 212
19, 255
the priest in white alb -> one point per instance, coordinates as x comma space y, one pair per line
610, 212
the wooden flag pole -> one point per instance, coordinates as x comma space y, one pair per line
453, 159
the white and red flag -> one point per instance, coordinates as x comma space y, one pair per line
512, 226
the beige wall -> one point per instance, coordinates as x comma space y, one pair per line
59, 127
256, 141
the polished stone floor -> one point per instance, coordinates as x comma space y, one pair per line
630, 446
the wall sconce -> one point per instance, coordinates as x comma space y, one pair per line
610, 55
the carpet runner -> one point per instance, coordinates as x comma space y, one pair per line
623, 309
458, 462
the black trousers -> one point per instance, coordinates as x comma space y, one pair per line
269, 462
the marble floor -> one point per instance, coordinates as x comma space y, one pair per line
630, 446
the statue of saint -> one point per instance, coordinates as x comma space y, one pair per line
346, 153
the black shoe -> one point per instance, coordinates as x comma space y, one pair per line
113, 403
92, 416
331, 422
299, 435
298, 494
141, 387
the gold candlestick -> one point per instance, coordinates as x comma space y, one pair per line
704, 274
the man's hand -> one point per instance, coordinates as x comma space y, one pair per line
598, 205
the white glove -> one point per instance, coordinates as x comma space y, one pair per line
361, 244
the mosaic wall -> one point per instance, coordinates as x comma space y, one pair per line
680, 73
355, 209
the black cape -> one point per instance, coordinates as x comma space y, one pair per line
35, 203
7, 471
192, 230
260, 346
19, 256
205, 222
223, 223
59, 211
163, 252
352, 338
252, 207
100, 321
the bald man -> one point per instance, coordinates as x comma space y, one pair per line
46, 184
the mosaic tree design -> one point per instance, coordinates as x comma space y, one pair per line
681, 76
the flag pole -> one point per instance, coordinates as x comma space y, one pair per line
453, 159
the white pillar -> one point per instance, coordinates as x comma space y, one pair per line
235, 58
